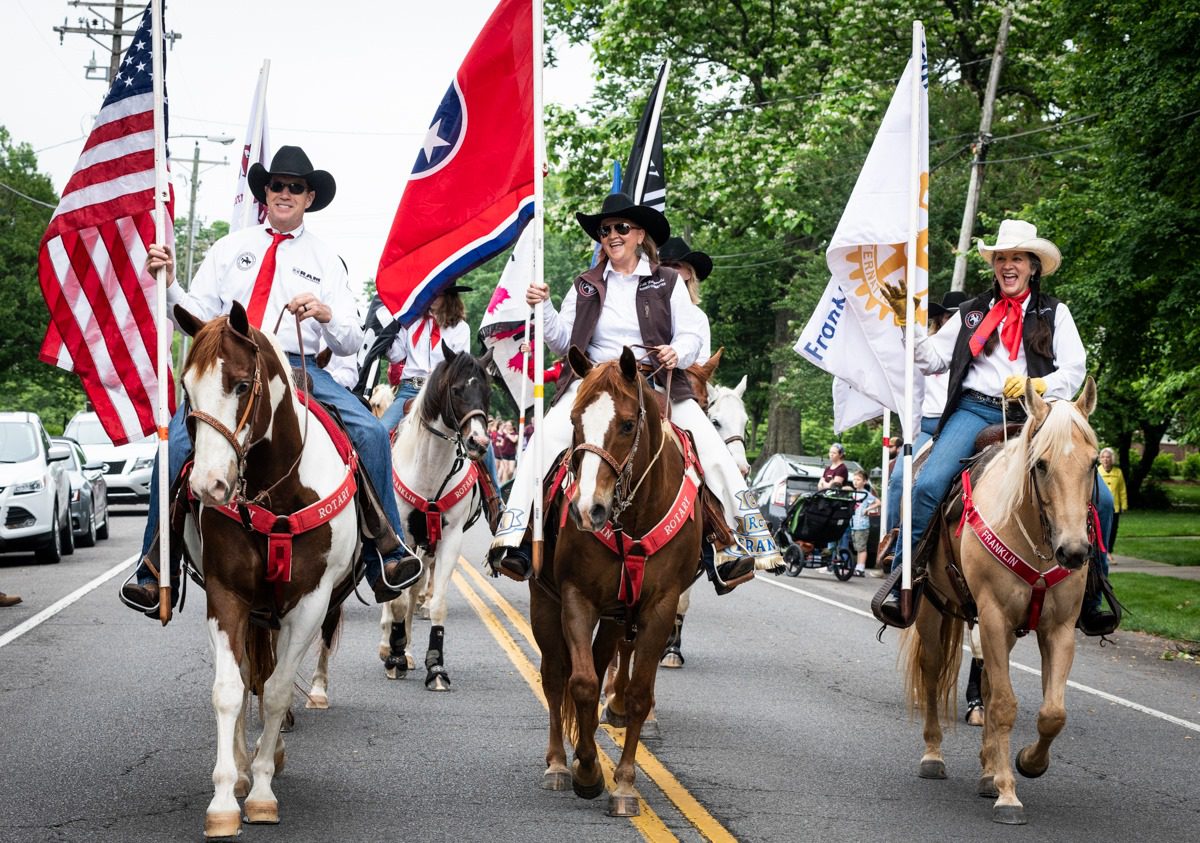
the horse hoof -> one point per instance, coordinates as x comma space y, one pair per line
262, 812
1026, 771
588, 791
651, 731
423, 613
409, 661
623, 806
617, 721
288, 723
317, 701
396, 673
242, 789
673, 661
437, 682
987, 787
1009, 814
222, 824
556, 780
975, 717
932, 768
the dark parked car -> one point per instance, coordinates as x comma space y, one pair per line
89, 495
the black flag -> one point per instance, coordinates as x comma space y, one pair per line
652, 190
379, 330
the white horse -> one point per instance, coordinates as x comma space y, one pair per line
434, 462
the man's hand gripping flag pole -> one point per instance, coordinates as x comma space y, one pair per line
164, 332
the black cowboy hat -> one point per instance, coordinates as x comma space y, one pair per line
620, 205
676, 250
291, 161
950, 303
457, 288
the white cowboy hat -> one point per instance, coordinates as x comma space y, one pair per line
1021, 236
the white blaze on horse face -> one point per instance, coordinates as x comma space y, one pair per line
277, 389
595, 421
214, 471
728, 415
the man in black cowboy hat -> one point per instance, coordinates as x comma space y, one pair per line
271, 268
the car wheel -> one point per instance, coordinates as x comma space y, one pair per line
88, 538
67, 542
51, 552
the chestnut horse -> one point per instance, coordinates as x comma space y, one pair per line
260, 452
1031, 506
632, 489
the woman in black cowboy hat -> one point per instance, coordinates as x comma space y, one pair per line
693, 267
629, 298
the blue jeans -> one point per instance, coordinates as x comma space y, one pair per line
895, 489
368, 435
1104, 508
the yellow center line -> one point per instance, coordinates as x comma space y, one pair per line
648, 823
655, 770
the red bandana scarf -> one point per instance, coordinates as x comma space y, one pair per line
435, 335
1012, 312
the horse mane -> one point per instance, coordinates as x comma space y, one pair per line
426, 406
206, 347
1052, 441
604, 377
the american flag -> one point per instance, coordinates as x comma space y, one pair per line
93, 254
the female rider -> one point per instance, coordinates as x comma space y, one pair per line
629, 299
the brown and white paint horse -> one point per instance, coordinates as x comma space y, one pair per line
255, 441
628, 464
1032, 508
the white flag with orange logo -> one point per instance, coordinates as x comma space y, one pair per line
853, 334
247, 210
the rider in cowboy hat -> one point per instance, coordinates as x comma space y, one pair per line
309, 280
990, 346
693, 266
599, 315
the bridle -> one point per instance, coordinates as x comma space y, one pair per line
453, 422
623, 491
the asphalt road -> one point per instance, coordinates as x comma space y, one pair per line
787, 723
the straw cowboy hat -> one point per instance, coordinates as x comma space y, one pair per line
619, 205
291, 161
1021, 236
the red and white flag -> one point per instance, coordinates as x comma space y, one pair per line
246, 209
93, 254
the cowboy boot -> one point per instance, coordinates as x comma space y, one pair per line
513, 562
7, 600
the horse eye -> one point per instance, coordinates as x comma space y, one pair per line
715, 423
627, 427
242, 388
1041, 466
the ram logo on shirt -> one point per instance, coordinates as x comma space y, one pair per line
305, 275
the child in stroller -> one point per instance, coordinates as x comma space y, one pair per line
812, 524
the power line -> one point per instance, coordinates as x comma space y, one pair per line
28, 197
1049, 154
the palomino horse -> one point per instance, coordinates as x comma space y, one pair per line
620, 562
436, 485
1023, 544
261, 455
381, 398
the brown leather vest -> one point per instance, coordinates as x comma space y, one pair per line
653, 303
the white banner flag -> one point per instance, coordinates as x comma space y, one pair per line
503, 326
851, 408
246, 209
853, 332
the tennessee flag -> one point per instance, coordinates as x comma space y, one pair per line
471, 190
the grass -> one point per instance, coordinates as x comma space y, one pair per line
1183, 494
1166, 606
1171, 550
1144, 523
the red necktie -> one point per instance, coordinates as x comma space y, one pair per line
266, 277
434, 336
1012, 311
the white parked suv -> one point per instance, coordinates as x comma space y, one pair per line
35, 491
127, 468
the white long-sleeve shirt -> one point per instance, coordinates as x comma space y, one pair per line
304, 264
420, 357
989, 371
618, 324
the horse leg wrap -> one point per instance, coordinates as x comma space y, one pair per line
397, 640
435, 672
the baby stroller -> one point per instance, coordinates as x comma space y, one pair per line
813, 522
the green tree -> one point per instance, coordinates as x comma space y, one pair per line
27, 201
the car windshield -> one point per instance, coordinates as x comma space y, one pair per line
88, 432
18, 442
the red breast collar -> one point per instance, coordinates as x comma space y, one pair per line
434, 509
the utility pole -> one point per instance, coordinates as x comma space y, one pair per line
981, 144
97, 26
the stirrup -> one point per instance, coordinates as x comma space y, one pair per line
729, 574
514, 562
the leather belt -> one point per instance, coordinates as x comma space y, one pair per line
417, 382
1015, 410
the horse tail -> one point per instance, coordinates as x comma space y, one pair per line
570, 723
946, 655
260, 650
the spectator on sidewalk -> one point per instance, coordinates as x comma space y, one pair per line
1115, 480
860, 521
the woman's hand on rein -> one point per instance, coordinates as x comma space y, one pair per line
667, 356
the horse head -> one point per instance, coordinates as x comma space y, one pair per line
699, 376
381, 398
727, 412
614, 437
234, 378
1060, 454
459, 393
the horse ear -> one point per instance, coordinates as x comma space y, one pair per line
187, 323
628, 364
580, 364
740, 389
715, 360
1086, 402
1038, 408
486, 359
238, 319
448, 352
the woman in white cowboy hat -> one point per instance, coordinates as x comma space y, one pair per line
600, 315
990, 346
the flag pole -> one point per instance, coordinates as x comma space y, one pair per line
539, 269
164, 330
524, 390
660, 94
914, 203
260, 109
883, 476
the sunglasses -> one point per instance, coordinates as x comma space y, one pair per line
621, 228
293, 187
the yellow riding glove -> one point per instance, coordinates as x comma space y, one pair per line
897, 299
1014, 386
